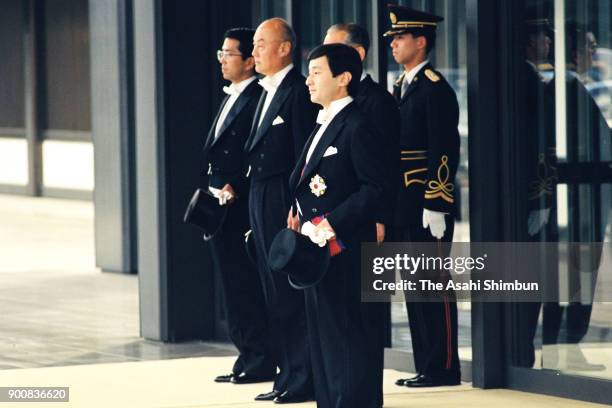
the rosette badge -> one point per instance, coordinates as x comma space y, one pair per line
317, 185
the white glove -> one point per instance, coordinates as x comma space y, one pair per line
536, 220
222, 196
435, 221
319, 237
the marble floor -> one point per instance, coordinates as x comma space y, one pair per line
57, 308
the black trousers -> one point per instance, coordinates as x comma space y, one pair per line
244, 301
346, 340
268, 209
433, 324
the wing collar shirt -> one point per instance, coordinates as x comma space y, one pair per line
234, 91
270, 84
324, 118
409, 76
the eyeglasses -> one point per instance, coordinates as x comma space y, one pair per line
224, 54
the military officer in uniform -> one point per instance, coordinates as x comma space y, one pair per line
382, 113
226, 164
337, 184
429, 147
283, 120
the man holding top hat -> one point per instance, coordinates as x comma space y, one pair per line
425, 207
226, 167
336, 186
381, 111
283, 120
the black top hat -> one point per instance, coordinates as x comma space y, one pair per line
296, 255
404, 19
205, 212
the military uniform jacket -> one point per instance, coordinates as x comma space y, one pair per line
382, 113
539, 140
350, 180
429, 147
273, 147
225, 160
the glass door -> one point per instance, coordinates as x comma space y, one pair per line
565, 115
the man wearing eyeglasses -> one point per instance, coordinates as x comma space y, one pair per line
283, 121
226, 168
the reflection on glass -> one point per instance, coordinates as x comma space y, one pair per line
567, 158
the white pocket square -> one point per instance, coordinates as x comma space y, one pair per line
331, 150
278, 121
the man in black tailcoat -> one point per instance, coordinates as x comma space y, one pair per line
283, 120
337, 184
226, 168
381, 111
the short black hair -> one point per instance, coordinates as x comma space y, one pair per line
341, 58
356, 34
428, 33
244, 36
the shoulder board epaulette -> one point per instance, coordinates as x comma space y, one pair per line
433, 77
545, 67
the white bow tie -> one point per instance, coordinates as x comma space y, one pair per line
322, 116
268, 84
230, 90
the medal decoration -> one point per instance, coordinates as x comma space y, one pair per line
317, 185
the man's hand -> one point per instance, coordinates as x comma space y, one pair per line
227, 195
293, 222
319, 234
324, 229
380, 233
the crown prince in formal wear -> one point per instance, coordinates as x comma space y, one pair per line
337, 184
283, 120
425, 208
380, 109
226, 167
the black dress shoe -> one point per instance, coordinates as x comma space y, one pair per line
427, 381
245, 378
268, 396
224, 378
403, 381
288, 397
